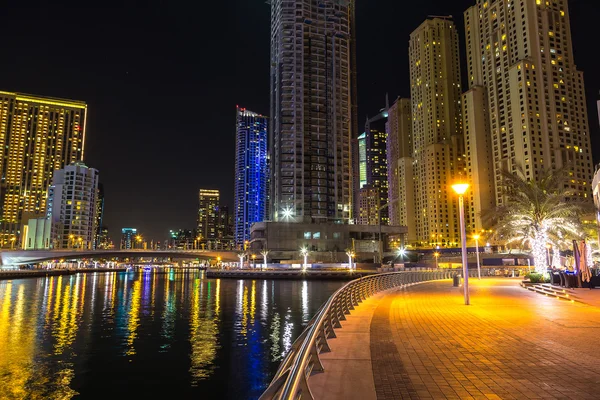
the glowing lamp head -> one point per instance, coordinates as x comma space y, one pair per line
476, 237
460, 188
287, 212
436, 254
304, 251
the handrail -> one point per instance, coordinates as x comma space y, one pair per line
291, 380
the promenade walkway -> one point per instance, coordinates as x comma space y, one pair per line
422, 342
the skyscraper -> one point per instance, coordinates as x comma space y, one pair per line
208, 205
39, 135
251, 174
72, 206
128, 238
436, 129
372, 167
401, 197
313, 114
99, 216
520, 56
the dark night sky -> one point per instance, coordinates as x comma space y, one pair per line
162, 80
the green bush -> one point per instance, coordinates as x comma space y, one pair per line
535, 277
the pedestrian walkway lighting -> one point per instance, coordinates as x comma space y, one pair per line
287, 213
304, 252
241, 256
265, 253
476, 237
350, 255
401, 253
436, 255
460, 189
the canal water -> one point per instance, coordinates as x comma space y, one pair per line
149, 334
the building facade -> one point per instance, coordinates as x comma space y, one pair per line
313, 109
72, 207
436, 130
401, 193
128, 237
373, 173
99, 216
520, 53
39, 135
251, 174
208, 216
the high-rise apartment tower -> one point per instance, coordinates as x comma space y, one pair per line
38, 135
436, 129
313, 113
251, 173
520, 55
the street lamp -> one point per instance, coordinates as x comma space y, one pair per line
241, 257
219, 261
71, 241
264, 253
460, 189
350, 254
436, 255
304, 252
254, 260
401, 253
12, 242
476, 237
80, 240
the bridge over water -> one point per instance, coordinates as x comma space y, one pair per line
20, 257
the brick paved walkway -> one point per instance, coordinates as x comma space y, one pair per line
509, 344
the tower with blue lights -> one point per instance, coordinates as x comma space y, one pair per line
251, 172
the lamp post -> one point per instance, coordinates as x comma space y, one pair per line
12, 242
460, 189
264, 253
71, 241
241, 257
80, 240
304, 252
254, 260
401, 253
350, 254
476, 237
436, 255
219, 262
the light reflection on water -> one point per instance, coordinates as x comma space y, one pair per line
138, 332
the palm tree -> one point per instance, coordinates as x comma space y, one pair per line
537, 213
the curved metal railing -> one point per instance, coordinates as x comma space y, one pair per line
291, 380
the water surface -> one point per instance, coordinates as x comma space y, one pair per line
148, 334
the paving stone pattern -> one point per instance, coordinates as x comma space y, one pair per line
509, 344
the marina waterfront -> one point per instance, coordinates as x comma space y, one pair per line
148, 333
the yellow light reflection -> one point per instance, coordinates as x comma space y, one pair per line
134, 316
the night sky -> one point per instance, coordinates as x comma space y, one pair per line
162, 82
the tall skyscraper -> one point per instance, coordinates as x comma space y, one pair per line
436, 129
251, 173
208, 206
372, 167
313, 114
72, 206
520, 56
98, 237
401, 197
128, 238
38, 135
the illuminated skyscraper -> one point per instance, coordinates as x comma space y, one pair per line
313, 99
208, 217
72, 207
128, 238
38, 135
436, 129
251, 173
520, 59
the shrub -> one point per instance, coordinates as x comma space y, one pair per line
535, 277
